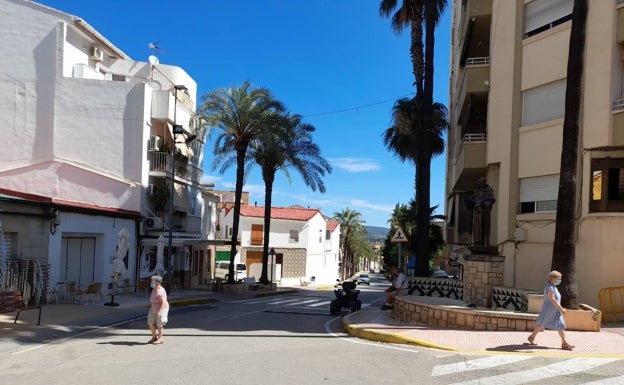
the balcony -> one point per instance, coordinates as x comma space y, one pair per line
617, 131
475, 80
475, 29
163, 106
469, 162
160, 165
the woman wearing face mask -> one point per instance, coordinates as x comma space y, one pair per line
551, 314
157, 316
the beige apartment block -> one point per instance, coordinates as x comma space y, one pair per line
506, 109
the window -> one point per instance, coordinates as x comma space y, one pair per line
327, 235
257, 232
543, 103
542, 15
294, 236
607, 185
539, 194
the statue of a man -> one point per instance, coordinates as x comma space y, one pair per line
481, 203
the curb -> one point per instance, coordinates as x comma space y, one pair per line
387, 337
371, 334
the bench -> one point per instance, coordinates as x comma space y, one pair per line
12, 301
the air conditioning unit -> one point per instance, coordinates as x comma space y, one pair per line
150, 189
154, 143
96, 54
152, 223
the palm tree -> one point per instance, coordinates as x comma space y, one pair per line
564, 251
418, 144
237, 115
351, 227
409, 14
413, 13
285, 141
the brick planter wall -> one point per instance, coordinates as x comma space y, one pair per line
406, 309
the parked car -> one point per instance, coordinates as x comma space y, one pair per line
363, 279
440, 274
222, 270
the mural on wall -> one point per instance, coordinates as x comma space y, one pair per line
120, 263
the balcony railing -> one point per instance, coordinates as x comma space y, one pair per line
618, 104
161, 162
468, 138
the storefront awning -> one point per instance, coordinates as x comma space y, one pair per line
181, 199
181, 145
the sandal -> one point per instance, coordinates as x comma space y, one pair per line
158, 342
567, 346
152, 340
531, 340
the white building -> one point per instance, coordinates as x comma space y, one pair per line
306, 243
88, 136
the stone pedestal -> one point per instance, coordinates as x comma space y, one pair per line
481, 273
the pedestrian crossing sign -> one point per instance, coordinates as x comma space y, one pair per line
399, 236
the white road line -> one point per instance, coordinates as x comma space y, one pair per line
567, 367
608, 381
320, 304
481, 363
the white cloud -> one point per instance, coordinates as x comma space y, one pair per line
355, 164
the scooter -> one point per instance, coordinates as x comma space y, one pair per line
346, 297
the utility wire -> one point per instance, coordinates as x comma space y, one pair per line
358, 107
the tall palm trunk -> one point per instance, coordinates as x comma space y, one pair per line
240, 174
564, 251
423, 180
423, 184
269, 178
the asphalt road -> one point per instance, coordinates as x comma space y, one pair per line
286, 339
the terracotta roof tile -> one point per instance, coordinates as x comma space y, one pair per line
295, 213
332, 225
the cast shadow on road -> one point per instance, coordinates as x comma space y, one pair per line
525, 347
122, 343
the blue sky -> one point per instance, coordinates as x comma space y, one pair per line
335, 62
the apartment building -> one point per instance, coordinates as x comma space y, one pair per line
306, 243
95, 142
508, 81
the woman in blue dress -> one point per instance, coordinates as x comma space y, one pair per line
551, 314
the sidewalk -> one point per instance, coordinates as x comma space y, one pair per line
374, 324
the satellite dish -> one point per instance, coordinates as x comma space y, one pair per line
153, 60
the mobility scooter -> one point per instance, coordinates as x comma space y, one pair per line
347, 297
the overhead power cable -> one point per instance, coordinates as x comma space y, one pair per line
357, 108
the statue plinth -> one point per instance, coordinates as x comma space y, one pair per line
483, 269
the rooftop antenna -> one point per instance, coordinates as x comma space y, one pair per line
155, 46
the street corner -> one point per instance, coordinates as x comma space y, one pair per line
382, 333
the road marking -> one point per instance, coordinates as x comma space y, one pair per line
567, 367
478, 364
608, 381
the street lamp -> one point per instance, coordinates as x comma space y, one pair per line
177, 130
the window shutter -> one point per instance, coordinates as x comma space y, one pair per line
543, 103
539, 13
256, 234
539, 188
